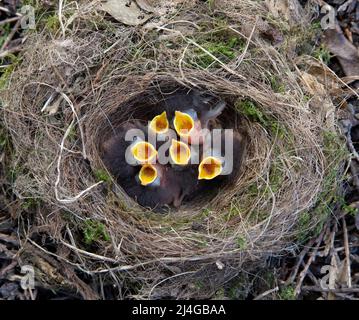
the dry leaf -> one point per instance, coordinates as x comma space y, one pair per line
320, 98
343, 49
313, 86
125, 12
325, 77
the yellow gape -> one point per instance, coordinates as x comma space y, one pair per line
143, 152
159, 124
180, 153
148, 174
209, 168
183, 124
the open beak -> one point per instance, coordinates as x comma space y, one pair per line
143, 152
209, 168
148, 174
183, 124
180, 153
159, 124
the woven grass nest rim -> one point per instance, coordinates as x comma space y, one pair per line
288, 162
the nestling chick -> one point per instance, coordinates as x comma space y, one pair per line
193, 126
223, 157
152, 185
190, 113
115, 150
155, 185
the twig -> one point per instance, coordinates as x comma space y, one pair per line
247, 45
351, 147
299, 261
9, 20
265, 293
309, 262
89, 254
11, 35
60, 18
73, 243
169, 278
345, 296
5, 270
340, 290
345, 5
8, 11
347, 253
5, 53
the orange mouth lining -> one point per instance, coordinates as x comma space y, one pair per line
183, 123
209, 168
148, 174
180, 152
159, 123
143, 151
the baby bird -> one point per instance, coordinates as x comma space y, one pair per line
152, 185
113, 151
222, 156
190, 113
193, 126
155, 186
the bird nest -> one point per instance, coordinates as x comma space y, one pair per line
69, 93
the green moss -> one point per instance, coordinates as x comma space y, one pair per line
5, 73
276, 178
5, 31
219, 295
211, 4
323, 54
241, 243
304, 226
31, 203
250, 110
4, 138
237, 289
72, 134
278, 129
102, 175
349, 210
253, 189
276, 84
94, 231
52, 23
287, 293
199, 285
224, 51
218, 40
13, 172
316, 26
